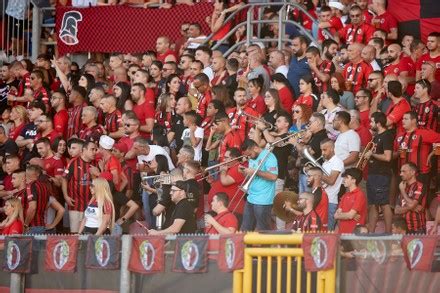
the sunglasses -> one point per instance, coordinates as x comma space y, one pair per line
358, 97
371, 79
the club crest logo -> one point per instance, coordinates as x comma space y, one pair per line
319, 252
69, 27
61, 254
229, 253
13, 256
147, 254
377, 250
102, 251
415, 252
189, 255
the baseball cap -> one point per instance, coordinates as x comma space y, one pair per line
106, 142
336, 4
122, 147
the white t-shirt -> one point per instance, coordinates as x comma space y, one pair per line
194, 45
187, 141
209, 72
346, 143
283, 69
329, 117
155, 150
335, 164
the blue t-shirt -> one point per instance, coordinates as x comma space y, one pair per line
297, 69
262, 191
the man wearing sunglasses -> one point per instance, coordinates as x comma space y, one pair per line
183, 219
357, 31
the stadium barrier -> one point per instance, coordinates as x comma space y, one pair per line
270, 263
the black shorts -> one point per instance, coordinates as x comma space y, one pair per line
378, 189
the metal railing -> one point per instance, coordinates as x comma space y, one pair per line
284, 250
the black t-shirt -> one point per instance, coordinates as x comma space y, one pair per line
8, 148
165, 200
193, 192
282, 152
29, 131
315, 144
384, 141
178, 127
185, 211
271, 116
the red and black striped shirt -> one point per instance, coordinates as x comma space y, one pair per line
326, 67
128, 171
21, 195
42, 94
74, 124
113, 121
78, 183
93, 133
37, 191
415, 220
310, 222
427, 115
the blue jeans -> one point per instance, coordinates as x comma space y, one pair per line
256, 217
36, 230
302, 183
332, 207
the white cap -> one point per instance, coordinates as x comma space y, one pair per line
106, 142
336, 4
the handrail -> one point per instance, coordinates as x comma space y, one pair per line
282, 5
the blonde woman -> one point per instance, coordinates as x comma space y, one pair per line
13, 224
99, 217
19, 117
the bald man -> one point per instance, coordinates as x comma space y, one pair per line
164, 53
393, 66
219, 67
369, 55
277, 62
356, 72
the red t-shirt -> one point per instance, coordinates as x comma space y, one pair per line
392, 69
225, 219
60, 120
353, 200
129, 143
258, 104
112, 164
427, 57
306, 100
408, 65
365, 118
415, 147
232, 139
15, 227
203, 99
53, 166
162, 57
396, 111
322, 207
356, 34
236, 199
240, 122
358, 74
51, 136
15, 131
385, 22
144, 111
286, 99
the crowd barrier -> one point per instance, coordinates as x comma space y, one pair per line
267, 263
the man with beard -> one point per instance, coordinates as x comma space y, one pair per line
412, 202
321, 69
329, 50
45, 129
239, 121
348, 142
393, 66
356, 72
357, 31
258, 208
204, 93
433, 45
310, 220
298, 64
185, 67
8, 84
362, 100
352, 208
379, 172
24, 86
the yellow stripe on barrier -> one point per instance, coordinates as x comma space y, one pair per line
298, 274
279, 272
288, 274
269, 274
259, 274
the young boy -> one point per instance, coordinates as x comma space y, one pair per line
193, 134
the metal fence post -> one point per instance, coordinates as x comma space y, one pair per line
17, 281
36, 32
125, 258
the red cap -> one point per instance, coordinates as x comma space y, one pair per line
122, 147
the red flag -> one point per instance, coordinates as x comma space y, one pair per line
18, 254
103, 252
61, 253
191, 254
319, 251
147, 254
418, 251
231, 252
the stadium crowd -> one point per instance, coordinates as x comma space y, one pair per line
184, 139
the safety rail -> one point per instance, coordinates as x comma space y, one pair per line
283, 251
